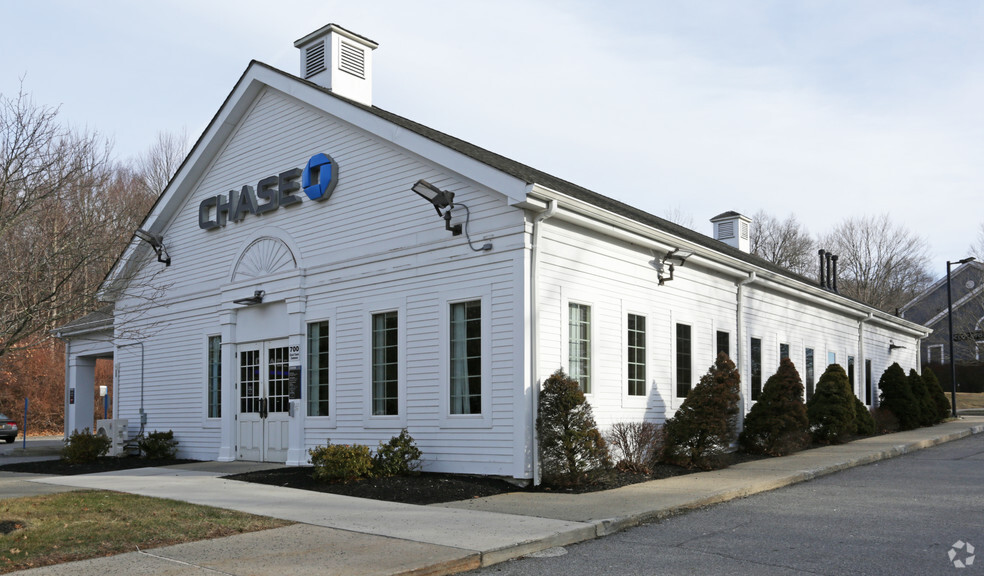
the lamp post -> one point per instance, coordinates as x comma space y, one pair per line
949, 319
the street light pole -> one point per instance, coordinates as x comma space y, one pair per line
949, 319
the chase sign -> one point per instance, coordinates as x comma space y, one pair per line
317, 180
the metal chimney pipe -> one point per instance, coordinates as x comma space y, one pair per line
828, 269
822, 277
834, 285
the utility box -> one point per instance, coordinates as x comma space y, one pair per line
117, 430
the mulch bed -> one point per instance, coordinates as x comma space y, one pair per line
102, 464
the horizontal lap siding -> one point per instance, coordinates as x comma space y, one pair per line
374, 243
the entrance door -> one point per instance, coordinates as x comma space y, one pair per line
263, 421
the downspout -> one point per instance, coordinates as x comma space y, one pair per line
860, 368
740, 339
534, 340
143, 415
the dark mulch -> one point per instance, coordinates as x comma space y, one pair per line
102, 464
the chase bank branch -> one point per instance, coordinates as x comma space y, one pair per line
258, 313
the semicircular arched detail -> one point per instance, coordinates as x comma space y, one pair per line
263, 257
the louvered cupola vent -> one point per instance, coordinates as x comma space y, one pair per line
339, 60
733, 229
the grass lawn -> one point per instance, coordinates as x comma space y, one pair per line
968, 399
52, 529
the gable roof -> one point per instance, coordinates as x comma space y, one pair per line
921, 309
258, 76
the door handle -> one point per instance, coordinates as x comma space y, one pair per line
263, 407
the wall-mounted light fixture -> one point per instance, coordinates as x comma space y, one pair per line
893, 346
443, 202
256, 298
665, 265
156, 242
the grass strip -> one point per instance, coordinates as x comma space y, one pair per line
57, 528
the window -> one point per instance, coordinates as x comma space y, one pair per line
214, 376
466, 357
385, 364
723, 343
756, 367
809, 373
683, 355
579, 345
317, 372
867, 382
935, 354
637, 355
850, 373
783, 351
831, 358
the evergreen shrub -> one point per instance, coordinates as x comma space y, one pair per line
341, 462
924, 402
896, 397
572, 451
863, 419
84, 446
158, 445
942, 406
398, 457
777, 424
706, 423
831, 409
636, 445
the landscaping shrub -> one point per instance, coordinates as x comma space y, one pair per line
341, 462
398, 457
777, 424
572, 451
84, 447
863, 419
831, 409
924, 402
896, 397
885, 421
158, 445
637, 445
707, 422
942, 407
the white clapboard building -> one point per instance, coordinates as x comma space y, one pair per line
319, 268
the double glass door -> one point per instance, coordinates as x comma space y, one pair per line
263, 419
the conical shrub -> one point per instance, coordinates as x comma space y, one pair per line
777, 424
924, 402
896, 397
863, 420
572, 451
831, 409
942, 406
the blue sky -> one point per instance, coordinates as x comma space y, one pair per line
824, 109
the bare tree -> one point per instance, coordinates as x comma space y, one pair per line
880, 263
678, 215
161, 161
785, 243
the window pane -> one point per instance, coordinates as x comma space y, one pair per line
385, 364
683, 356
317, 373
783, 351
724, 343
756, 367
636, 353
809, 373
579, 347
466, 357
215, 377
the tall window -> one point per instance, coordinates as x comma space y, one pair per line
724, 343
809, 373
637, 355
783, 351
317, 372
683, 355
579, 345
214, 376
831, 358
466, 357
850, 373
385, 365
867, 382
756, 367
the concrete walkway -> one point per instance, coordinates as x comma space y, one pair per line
348, 536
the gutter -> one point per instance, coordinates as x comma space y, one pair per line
534, 341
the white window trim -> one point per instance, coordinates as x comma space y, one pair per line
448, 420
328, 421
208, 422
369, 420
629, 400
930, 348
565, 323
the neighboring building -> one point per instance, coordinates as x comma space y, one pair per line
302, 291
930, 310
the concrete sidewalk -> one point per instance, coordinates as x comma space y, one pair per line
346, 536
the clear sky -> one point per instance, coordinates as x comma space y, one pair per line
823, 109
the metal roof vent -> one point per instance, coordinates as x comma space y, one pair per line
339, 60
733, 229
